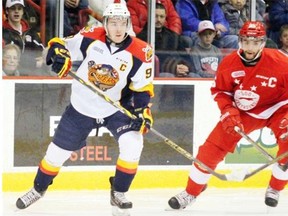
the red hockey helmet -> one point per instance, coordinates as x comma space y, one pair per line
254, 29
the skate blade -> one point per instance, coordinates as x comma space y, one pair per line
120, 212
270, 210
168, 208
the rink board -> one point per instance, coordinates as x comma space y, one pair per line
98, 180
183, 111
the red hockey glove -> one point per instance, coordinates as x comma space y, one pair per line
144, 120
230, 118
60, 59
284, 125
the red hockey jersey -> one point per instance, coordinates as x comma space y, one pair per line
258, 90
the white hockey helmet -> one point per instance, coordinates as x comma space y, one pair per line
116, 10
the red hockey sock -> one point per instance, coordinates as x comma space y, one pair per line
193, 188
277, 184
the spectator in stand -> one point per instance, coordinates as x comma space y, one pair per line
193, 11
261, 6
165, 39
284, 38
237, 12
10, 61
17, 31
278, 16
204, 56
139, 15
71, 9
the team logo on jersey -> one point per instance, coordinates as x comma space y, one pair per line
102, 75
246, 100
148, 53
88, 28
236, 74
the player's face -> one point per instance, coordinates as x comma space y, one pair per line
251, 47
117, 28
15, 13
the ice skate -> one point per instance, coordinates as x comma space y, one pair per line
120, 204
29, 198
271, 197
181, 200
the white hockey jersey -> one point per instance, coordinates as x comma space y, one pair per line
117, 71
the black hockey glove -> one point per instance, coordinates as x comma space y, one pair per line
60, 59
144, 120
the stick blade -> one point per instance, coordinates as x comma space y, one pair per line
237, 175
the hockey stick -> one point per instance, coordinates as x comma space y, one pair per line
285, 154
284, 167
224, 177
252, 142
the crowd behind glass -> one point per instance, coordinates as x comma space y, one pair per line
183, 46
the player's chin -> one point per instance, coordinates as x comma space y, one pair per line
118, 39
249, 56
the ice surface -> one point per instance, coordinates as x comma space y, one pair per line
151, 202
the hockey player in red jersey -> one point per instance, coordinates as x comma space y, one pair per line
251, 92
119, 65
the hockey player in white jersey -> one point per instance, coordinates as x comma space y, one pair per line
121, 66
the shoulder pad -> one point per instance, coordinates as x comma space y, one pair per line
141, 50
93, 32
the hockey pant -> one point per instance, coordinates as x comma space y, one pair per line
71, 135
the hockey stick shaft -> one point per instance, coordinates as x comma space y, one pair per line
130, 115
188, 155
252, 142
285, 154
266, 154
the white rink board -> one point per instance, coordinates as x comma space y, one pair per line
206, 114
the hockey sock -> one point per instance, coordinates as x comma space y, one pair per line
279, 179
197, 180
124, 175
194, 188
45, 175
277, 184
